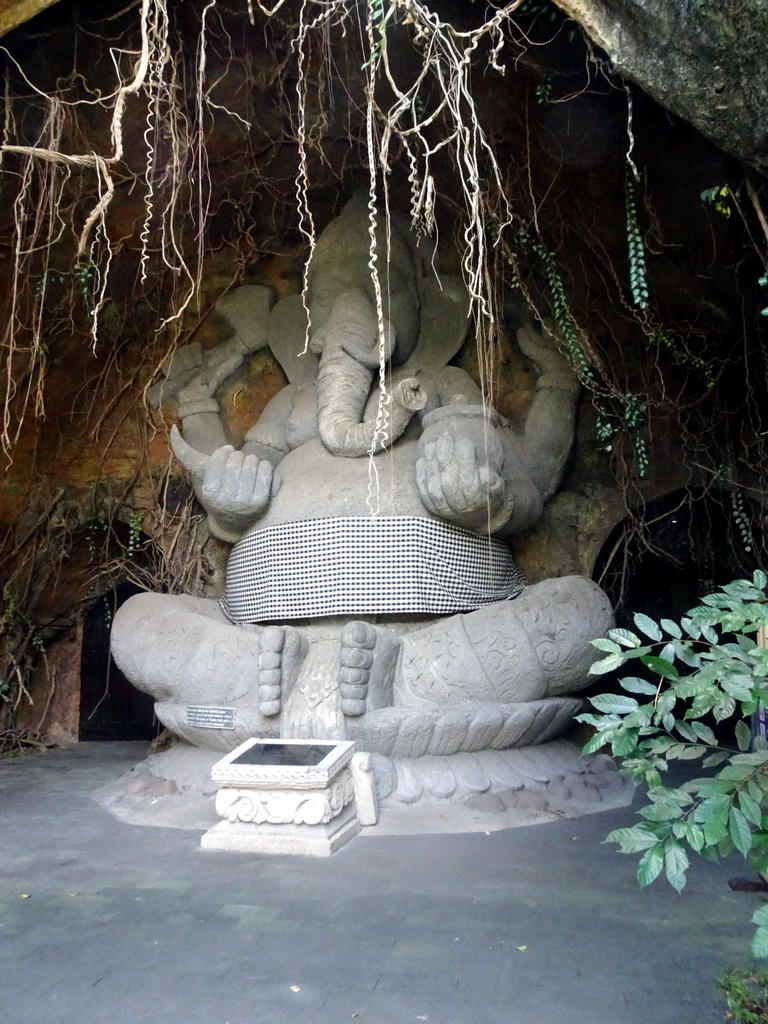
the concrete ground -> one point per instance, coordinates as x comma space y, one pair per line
104, 922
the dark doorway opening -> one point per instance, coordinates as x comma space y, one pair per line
111, 708
687, 544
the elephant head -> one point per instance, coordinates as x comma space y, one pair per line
345, 329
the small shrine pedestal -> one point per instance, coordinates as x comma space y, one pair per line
291, 796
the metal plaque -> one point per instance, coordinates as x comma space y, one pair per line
210, 717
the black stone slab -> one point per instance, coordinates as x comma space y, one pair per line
284, 754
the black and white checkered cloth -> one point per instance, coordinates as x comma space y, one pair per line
361, 565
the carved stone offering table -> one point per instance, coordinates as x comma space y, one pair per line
301, 796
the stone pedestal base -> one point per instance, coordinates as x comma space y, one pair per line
291, 796
310, 840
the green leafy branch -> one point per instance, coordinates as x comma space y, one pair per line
638, 280
376, 15
681, 355
707, 664
763, 282
566, 325
630, 417
720, 197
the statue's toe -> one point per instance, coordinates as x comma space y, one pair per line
358, 643
279, 661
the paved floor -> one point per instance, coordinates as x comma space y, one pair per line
537, 925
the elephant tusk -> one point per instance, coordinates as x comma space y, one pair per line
409, 394
191, 459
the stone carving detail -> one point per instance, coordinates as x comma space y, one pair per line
406, 630
286, 806
366, 797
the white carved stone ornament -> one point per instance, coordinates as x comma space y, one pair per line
286, 806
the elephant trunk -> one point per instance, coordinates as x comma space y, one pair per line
350, 356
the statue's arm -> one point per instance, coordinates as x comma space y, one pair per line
234, 487
551, 421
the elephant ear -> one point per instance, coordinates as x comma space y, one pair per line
443, 326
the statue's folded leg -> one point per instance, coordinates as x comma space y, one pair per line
536, 646
183, 650
561, 617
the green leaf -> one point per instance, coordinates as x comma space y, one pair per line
705, 733
666, 702
675, 751
736, 689
735, 772
686, 729
701, 705
632, 840
613, 703
695, 686
759, 579
625, 742
714, 759
694, 835
692, 751
714, 792
624, 637
590, 719
759, 944
641, 717
650, 864
743, 736
675, 864
665, 794
760, 916
660, 812
746, 643
672, 628
690, 628
716, 825
648, 626
755, 791
636, 685
724, 709
755, 757
599, 740
660, 744
710, 635
740, 832
667, 653
664, 668
606, 645
752, 810
686, 655
599, 668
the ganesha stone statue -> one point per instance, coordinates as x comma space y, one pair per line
370, 591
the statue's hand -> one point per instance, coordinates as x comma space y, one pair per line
233, 488
218, 364
538, 343
236, 488
458, 483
